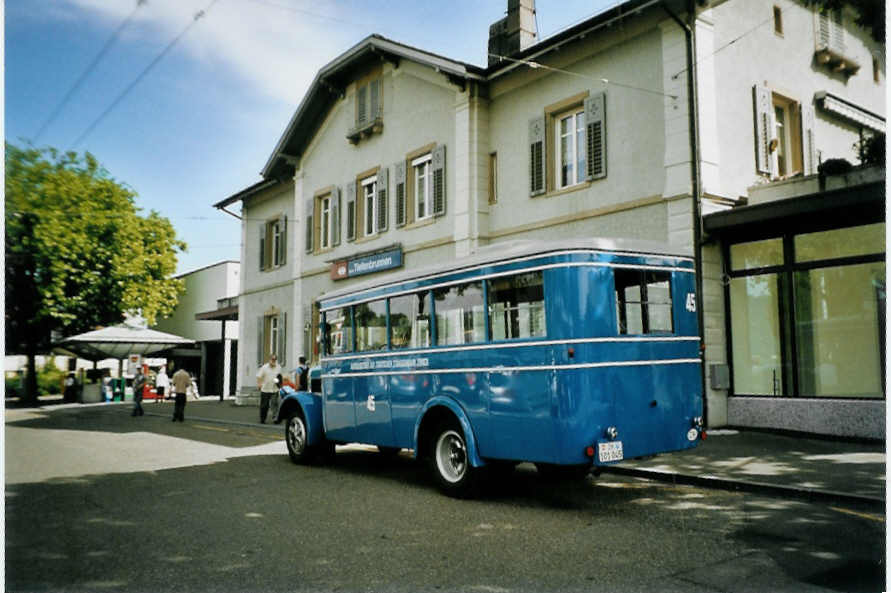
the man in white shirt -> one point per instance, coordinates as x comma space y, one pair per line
267, 383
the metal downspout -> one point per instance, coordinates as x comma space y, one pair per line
695, 178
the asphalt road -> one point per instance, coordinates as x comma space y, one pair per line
99, 501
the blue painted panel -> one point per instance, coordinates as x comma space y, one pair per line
373, 416
340, 409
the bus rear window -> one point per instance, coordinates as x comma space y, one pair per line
643, 302
516, 307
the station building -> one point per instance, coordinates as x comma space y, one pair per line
703, 124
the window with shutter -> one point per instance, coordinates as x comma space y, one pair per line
282, 346
439, 183
351, 210
325, 216
399, 183
383, 213
423, 181
308, 231
763, 128
374, 100
261, 340
536, 156
281, 241
369, 204
335, 217
595, 130
809, 147
361, 106
262, 246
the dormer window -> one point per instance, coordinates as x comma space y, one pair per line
369, 108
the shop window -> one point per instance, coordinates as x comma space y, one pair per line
756, 345
516, 307
839, 243
459, 314
643, 302
756, 254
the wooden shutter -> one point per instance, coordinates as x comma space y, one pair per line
335, 217
537, 156
595, 136
383, 215
361, 105
281, 256
308, 215
808, 142
351, 211
261, 342
763, 128
374, 91
262, 246
438, 164
282, 339
399, 184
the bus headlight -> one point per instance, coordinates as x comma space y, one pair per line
612, 433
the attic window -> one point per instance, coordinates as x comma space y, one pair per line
369, 109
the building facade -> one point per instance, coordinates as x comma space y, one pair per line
635, 123
212, 359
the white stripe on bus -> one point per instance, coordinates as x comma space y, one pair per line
517, 369
488, 276
438, 349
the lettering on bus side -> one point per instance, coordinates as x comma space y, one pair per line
371, 365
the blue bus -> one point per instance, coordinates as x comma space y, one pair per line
571, 355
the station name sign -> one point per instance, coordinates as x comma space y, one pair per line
367, 264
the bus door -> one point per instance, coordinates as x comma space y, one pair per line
374, 422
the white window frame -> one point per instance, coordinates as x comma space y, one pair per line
577, 117
325, 222
272, 336
276, 244
369, 205
423, 178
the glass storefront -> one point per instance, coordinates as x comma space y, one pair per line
807, 314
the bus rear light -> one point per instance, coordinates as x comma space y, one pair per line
702, 435
589, 452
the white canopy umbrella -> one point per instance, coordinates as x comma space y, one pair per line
120, 341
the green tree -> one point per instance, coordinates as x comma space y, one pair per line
79, 252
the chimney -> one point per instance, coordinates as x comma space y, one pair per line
515, 32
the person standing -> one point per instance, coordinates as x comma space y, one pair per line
138, 389
267, 383
162, 384
181, 383
302, 374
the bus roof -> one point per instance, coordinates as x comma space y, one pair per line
509, 250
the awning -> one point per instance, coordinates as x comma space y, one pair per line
849, 111
864, 204
119, 341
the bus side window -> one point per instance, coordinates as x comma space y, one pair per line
338, 331
409, 321
459, 314
371, 326
516, 307
643, 301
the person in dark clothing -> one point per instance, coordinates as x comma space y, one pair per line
138, 385
302, 374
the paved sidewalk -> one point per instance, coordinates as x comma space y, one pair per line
753, 461
757, 461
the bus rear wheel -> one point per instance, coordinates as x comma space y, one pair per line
450, 462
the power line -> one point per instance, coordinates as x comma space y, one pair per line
86, 72
536, 65
308, 13
152, 64
725, 46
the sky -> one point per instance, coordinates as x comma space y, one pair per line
186, 111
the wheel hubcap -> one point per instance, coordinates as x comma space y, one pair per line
296, 435
451, 456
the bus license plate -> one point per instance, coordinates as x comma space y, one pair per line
611, 451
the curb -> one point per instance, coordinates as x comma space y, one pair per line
748, 486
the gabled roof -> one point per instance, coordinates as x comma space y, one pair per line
330, 84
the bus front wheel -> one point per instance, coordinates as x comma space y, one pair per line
296, 437
450, 462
